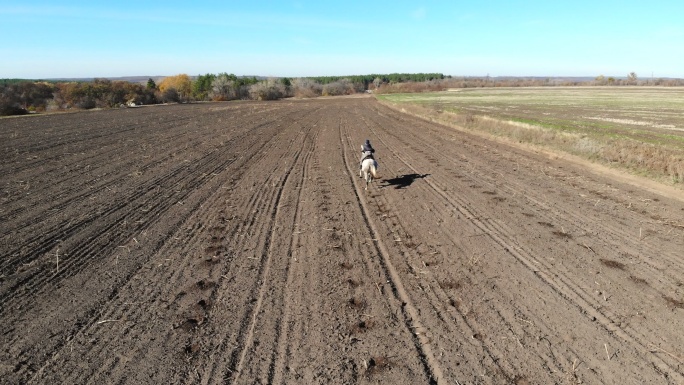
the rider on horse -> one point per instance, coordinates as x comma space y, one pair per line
367, 150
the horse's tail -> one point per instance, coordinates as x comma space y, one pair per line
373, 170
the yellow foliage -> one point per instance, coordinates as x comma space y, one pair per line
180, 82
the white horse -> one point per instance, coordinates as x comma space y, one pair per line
369, 170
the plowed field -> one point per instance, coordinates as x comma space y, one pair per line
234, 243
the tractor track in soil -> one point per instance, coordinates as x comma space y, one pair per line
234, 243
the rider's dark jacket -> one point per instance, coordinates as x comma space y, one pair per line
367, 151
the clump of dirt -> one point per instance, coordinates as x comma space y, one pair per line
613, 264
205, 285
192, 348
357, 303
377, 365
211, 250
520, 380
216, 239
562, 234
204, 304
362, 326
190, 324
211, 259
637, 280
673, 303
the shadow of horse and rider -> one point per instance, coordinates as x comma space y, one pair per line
402, 181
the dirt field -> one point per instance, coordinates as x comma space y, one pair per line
234, 243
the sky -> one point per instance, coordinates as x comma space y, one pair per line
68, 39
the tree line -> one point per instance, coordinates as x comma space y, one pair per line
19, 96
22, 97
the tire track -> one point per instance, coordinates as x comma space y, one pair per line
457, 322
280, 353
409, 311
239, 355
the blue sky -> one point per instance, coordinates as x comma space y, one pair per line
50, 39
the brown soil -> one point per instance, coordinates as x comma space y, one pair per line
234, 243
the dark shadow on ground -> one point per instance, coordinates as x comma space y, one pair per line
402, 181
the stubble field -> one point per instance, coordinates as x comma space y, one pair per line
234, 243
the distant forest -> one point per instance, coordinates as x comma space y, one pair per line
23, 96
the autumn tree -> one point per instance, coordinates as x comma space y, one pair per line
181, 83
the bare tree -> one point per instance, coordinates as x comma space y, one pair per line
600, 80
340, 87
306, 88
632, 78
222, 88
270, 89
